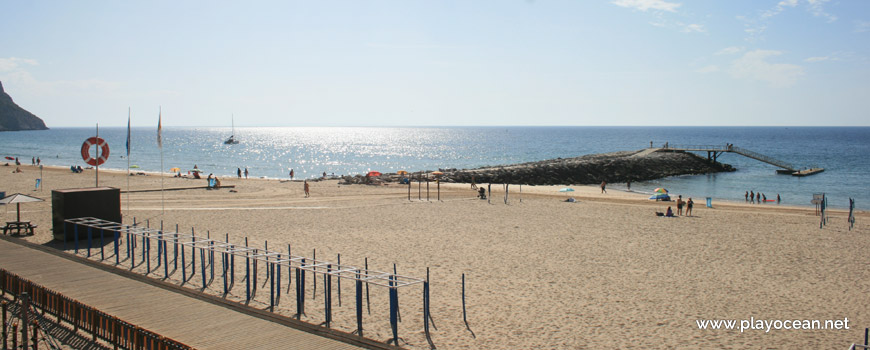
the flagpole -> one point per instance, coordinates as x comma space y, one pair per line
98, 156
128, 160
160, 144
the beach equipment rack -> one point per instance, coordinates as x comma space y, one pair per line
208, 249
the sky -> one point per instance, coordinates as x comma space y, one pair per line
439, 63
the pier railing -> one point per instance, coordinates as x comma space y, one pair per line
763, 158
731, 148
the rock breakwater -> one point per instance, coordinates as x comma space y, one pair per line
647, 164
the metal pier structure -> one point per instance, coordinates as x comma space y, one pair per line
714, 151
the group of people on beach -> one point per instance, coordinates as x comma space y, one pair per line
239, 172
680, 204
758, 197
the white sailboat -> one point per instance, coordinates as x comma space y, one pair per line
232, 140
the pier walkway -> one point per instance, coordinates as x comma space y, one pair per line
713, 152
199, 323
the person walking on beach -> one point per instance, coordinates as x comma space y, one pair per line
680, 205
603, 187
751, 196
38, 161
764, 197
246, 172
746, 196
758, 198
689, 206
628, 185
778, 199
32, 160
239, 171
473, 184
305, 185
291, 174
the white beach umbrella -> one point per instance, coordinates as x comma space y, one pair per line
19, 198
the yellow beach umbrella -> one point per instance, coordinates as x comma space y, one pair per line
174, 170
402, 172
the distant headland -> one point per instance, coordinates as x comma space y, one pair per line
15, 118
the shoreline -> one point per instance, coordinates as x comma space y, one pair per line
588, 194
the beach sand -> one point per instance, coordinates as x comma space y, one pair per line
604, 272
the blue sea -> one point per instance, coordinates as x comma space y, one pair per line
272, 151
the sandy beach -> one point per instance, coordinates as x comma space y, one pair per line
603, 272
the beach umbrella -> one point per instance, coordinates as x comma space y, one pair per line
373, 173
402, 172
19, 198
660, 190
437, 173
566, 190
174, 170
10, 158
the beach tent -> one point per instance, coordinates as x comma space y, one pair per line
19, 198
373, 173
660, 197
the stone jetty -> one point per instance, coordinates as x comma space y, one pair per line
641, 165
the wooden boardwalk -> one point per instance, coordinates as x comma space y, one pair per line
199, 323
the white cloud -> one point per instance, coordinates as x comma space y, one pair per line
779, 8
708, 69
817, 59
862, 26
14, 63
753, 65
730, 50
694, 28
645, 5
816, 7
14, 70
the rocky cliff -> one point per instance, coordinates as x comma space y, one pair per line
589, 169
13, 117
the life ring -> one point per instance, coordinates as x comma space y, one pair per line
86, 151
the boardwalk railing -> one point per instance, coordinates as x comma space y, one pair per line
100, 325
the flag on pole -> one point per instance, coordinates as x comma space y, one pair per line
128, 134
160, 129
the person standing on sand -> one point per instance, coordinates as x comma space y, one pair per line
38, 161
305, 185
603, 187
778, 199
239, 171
746, 196
628, 185
689, 206
680, 205
473, 184
291, 174
758, 198
246, 172
764, 197
751, 196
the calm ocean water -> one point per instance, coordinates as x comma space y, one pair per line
272, 152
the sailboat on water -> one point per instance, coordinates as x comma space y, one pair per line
232, 140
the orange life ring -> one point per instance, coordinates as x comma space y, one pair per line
86, 151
